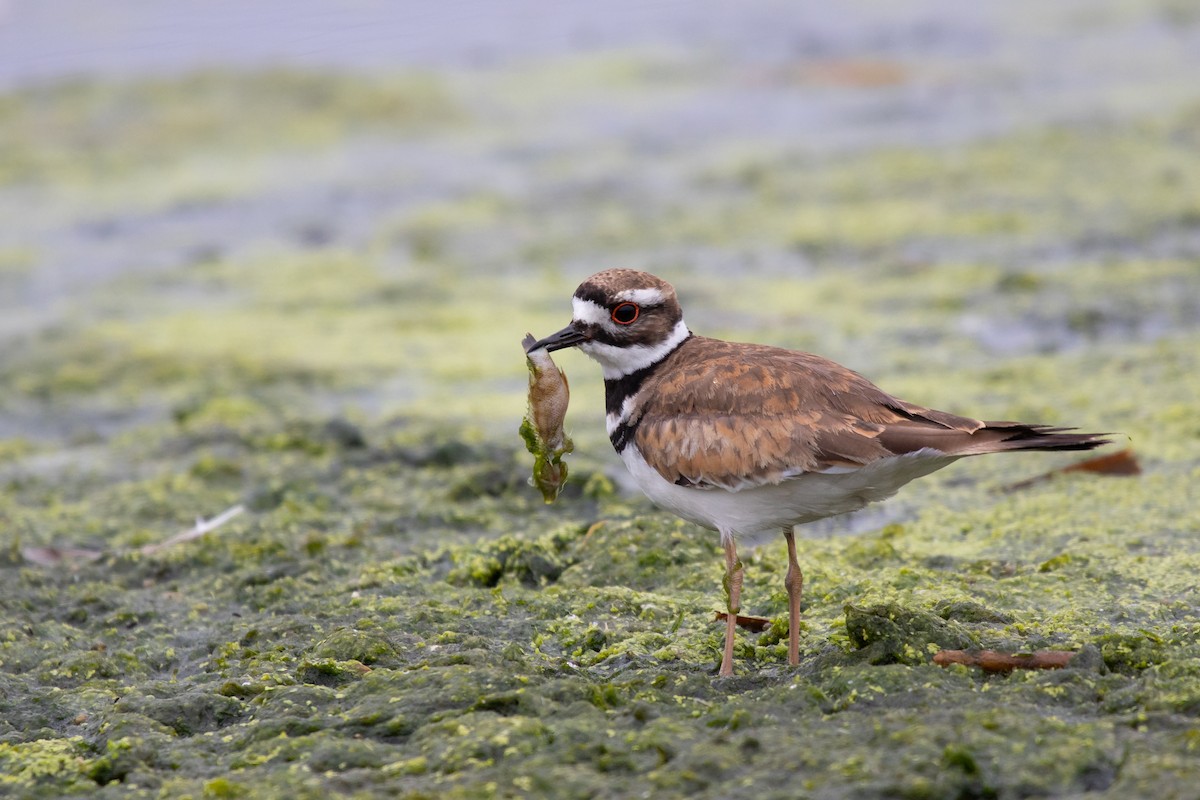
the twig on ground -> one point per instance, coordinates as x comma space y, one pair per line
201, 527
995, 661
51, 556
753, 624
1119, 464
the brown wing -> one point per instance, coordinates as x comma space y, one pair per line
728, 415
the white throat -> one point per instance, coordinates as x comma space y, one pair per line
617, 362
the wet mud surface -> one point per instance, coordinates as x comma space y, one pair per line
270, 283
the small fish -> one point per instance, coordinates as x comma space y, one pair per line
542, 428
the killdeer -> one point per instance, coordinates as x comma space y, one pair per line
746, 438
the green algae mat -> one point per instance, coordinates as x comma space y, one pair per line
301, 297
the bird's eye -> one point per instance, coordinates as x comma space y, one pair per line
625, 313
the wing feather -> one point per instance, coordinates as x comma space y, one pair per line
730, 415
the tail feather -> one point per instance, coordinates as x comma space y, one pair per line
976, 437
1001, 437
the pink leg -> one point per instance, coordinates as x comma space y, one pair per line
733, 590
794, 581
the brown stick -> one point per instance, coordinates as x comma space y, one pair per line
994, 661
1121, 463
752, 624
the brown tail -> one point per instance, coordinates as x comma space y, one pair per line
1014, 435
1002, 437
963, 436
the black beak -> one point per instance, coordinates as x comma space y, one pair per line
567, 337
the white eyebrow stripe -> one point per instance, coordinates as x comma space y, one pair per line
587, 311
643, 297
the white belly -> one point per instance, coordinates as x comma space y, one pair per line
805, 498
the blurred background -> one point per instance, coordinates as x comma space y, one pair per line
232, 214
271, 263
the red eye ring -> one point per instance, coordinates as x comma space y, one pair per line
621, 313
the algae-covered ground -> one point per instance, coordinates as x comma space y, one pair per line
302, 292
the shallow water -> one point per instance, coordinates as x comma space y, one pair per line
766, 79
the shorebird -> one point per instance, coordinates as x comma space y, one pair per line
745, 438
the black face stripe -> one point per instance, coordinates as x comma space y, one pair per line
655, 324
601, 334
